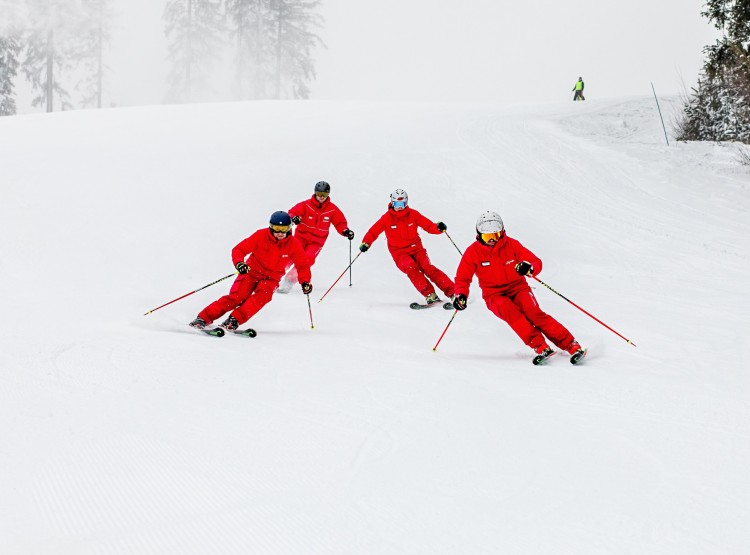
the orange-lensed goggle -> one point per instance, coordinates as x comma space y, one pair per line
487, 237
280, 228
323, 194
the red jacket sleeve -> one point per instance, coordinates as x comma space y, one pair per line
301, 262
243, 249
298, 209
339, 220
375, 231
425, 223
465, 272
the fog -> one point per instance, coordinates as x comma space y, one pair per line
475, 51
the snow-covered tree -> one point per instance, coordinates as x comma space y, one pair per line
719, 108
194, 29
9, 50
94, 35
249, 23
292, 24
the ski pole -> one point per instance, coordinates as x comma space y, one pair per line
338, 278
350, 263
586, 313
312, 326
188, 294
445, 330
454, 244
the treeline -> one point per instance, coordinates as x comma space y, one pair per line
60, 47
719, 107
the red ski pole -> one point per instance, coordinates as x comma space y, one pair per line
188, 294
445, 330
337, 279
586, 313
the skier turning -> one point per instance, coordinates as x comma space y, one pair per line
313, 218
400, 223
260, 260
500, 264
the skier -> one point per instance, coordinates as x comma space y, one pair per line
313, 218
400, 224
259, 273
500, 264
578, 88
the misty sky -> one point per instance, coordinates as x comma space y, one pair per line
474, 50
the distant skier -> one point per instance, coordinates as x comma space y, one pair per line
500, 264
313, 218
400, 223
578, 88
260, 260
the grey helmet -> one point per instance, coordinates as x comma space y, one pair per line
490, 222
322, 187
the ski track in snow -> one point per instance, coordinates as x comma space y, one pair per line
129, 434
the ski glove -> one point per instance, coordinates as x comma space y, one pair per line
306, 287
441, 227
363, 247
524, 268
348, 233
296, 220
459, 303
241, 267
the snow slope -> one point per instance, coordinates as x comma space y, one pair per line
124, 433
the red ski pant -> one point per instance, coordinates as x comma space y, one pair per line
312, 250
522, 313
249, 293
416, 266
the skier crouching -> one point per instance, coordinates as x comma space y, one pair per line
400, 223
260, 260
500, 264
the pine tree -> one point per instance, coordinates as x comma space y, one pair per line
249, 22
291, 24
9, 50
93, 37
193, 28
719, 108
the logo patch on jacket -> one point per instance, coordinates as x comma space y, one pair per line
394, 226
326, 218
485, 263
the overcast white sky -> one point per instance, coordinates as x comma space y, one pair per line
473, 50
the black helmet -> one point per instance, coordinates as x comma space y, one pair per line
280, 222
322, 187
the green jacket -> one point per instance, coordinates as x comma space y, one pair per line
578, 86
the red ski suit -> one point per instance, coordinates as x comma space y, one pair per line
507, 294
406, 248
266, 263
316, 219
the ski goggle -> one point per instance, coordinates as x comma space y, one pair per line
399, 204
487, 237
280, 228
323, 194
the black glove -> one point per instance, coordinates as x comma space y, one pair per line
441, 227
296, 220
363, 247
306, 287
459, 303
348, 233
241, 267
524, 268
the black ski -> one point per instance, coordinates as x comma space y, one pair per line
542, 358
578, 357
247, 332
215, 332
419, 306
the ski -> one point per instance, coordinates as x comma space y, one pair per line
419, 306
247, 332
578, 357
542, 358
215, 332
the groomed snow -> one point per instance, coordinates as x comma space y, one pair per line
132, 434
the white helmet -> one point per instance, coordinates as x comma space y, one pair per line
490, 222
399, 195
